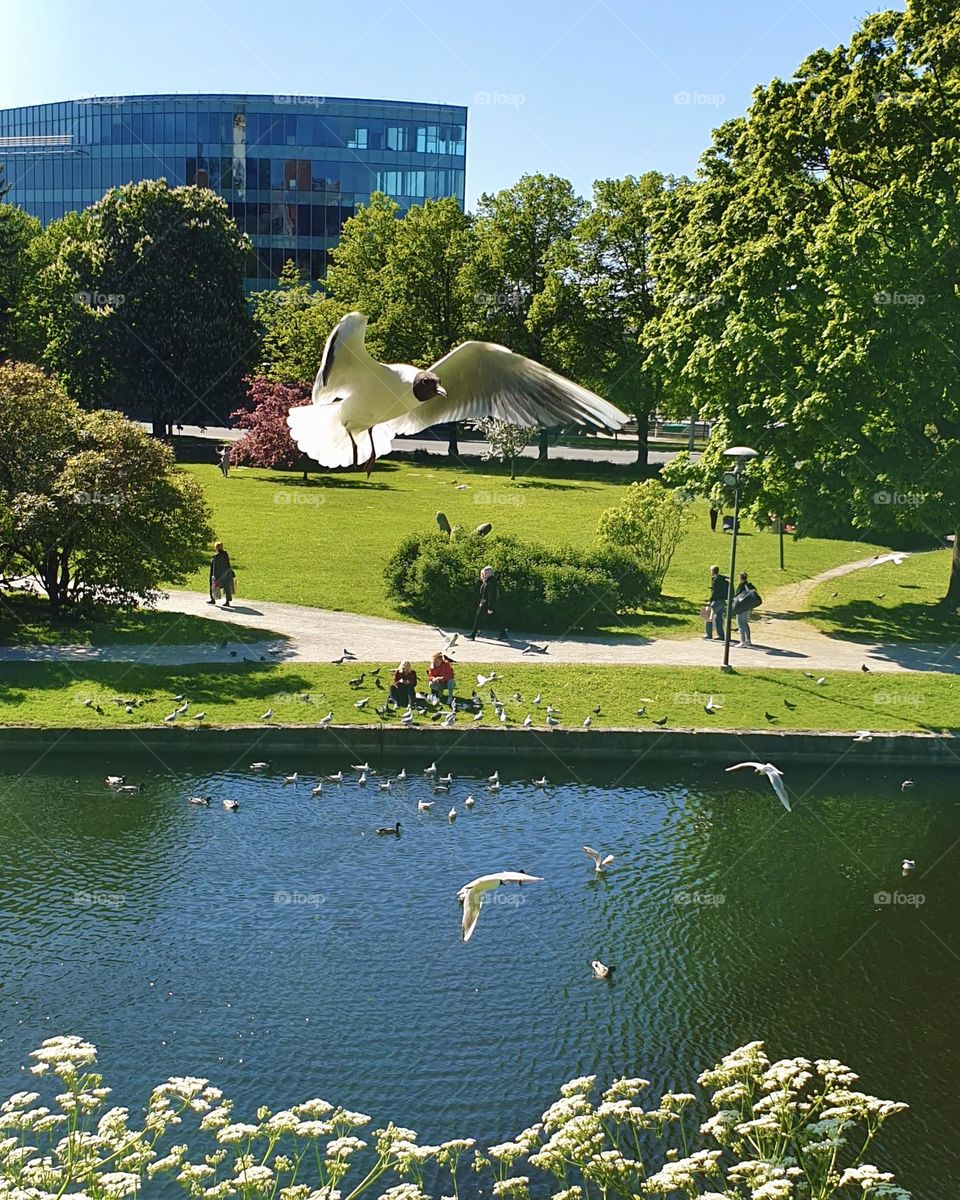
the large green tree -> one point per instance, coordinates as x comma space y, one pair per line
359, 260
814, 287
91, 507
601, 295
294, 322
17, 231
144, 306
516, 231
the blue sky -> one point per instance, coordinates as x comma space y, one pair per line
582, 88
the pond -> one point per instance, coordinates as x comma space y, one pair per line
287, 951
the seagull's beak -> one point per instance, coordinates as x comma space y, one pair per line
441, 391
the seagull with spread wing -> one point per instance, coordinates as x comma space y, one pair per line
360, 405
774, 774
471, 896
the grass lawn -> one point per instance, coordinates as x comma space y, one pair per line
889, 603
54, 694
325, 542
25, 621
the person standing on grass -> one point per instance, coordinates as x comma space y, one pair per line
745, 599
440, 676
223, 458
221, 575
489, 605
717, 604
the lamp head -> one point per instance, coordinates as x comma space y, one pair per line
741, 454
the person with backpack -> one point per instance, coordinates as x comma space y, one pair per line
716, 606
488, 610
745, 599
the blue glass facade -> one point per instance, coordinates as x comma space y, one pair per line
292, 168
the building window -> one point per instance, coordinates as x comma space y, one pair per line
357, 138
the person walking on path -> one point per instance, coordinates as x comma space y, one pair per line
745, 599
403, 690
223, 458
440, 676
717, 604
489, 605
222, 576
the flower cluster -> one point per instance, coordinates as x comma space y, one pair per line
788, 1130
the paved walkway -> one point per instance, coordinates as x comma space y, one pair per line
603, 449
319, 635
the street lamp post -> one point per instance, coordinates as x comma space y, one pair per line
740, 455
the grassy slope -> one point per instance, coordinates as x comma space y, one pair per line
889, 603
325, 542
25, 621
54, 694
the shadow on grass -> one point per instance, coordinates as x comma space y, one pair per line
26, 620
322, 482
203, 683
865, 621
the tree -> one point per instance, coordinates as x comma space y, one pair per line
147, 311
294, 322
515, 232
359, 259
601, 294
267, 441
507, 442
91, 507
17, 231
825, 234
649, 520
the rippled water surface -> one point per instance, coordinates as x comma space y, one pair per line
286, 951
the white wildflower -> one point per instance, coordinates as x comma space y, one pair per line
237, 1132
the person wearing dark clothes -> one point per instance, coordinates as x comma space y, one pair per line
743, 614
404, 687
221, 576
713, 520
489, 606
717, 603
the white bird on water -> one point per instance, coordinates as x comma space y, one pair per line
115, 781
424, 805
600, 863
600, 970
452, 814
469, 802
773, 774
231, 805
360, 405
471, 895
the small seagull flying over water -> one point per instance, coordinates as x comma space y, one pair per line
772, 773
360, 405
471, 896
599, 863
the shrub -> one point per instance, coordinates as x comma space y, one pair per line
765, 1118
648, 521
436, 576
267, 441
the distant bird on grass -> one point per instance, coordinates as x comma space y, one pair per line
471, 896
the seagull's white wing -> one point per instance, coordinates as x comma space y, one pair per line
591, 853
739, 766
471, 897
485, 380
776, 779
605, 862
343, 351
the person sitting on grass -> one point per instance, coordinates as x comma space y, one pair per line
440, 676
403, 690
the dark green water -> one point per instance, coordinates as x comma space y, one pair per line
285, 951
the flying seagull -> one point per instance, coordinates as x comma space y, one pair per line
600, 862
773, 774
471, 895
360, 405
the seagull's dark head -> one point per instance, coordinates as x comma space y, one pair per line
426, 386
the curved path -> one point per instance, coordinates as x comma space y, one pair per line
320, 635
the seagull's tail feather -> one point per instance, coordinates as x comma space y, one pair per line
319, 432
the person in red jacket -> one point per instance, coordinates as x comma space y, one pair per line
440, 676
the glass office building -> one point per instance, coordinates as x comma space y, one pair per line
291, 168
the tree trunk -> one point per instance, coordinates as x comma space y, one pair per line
513, 467
543, 446
453, 444
953, 587
643, 447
